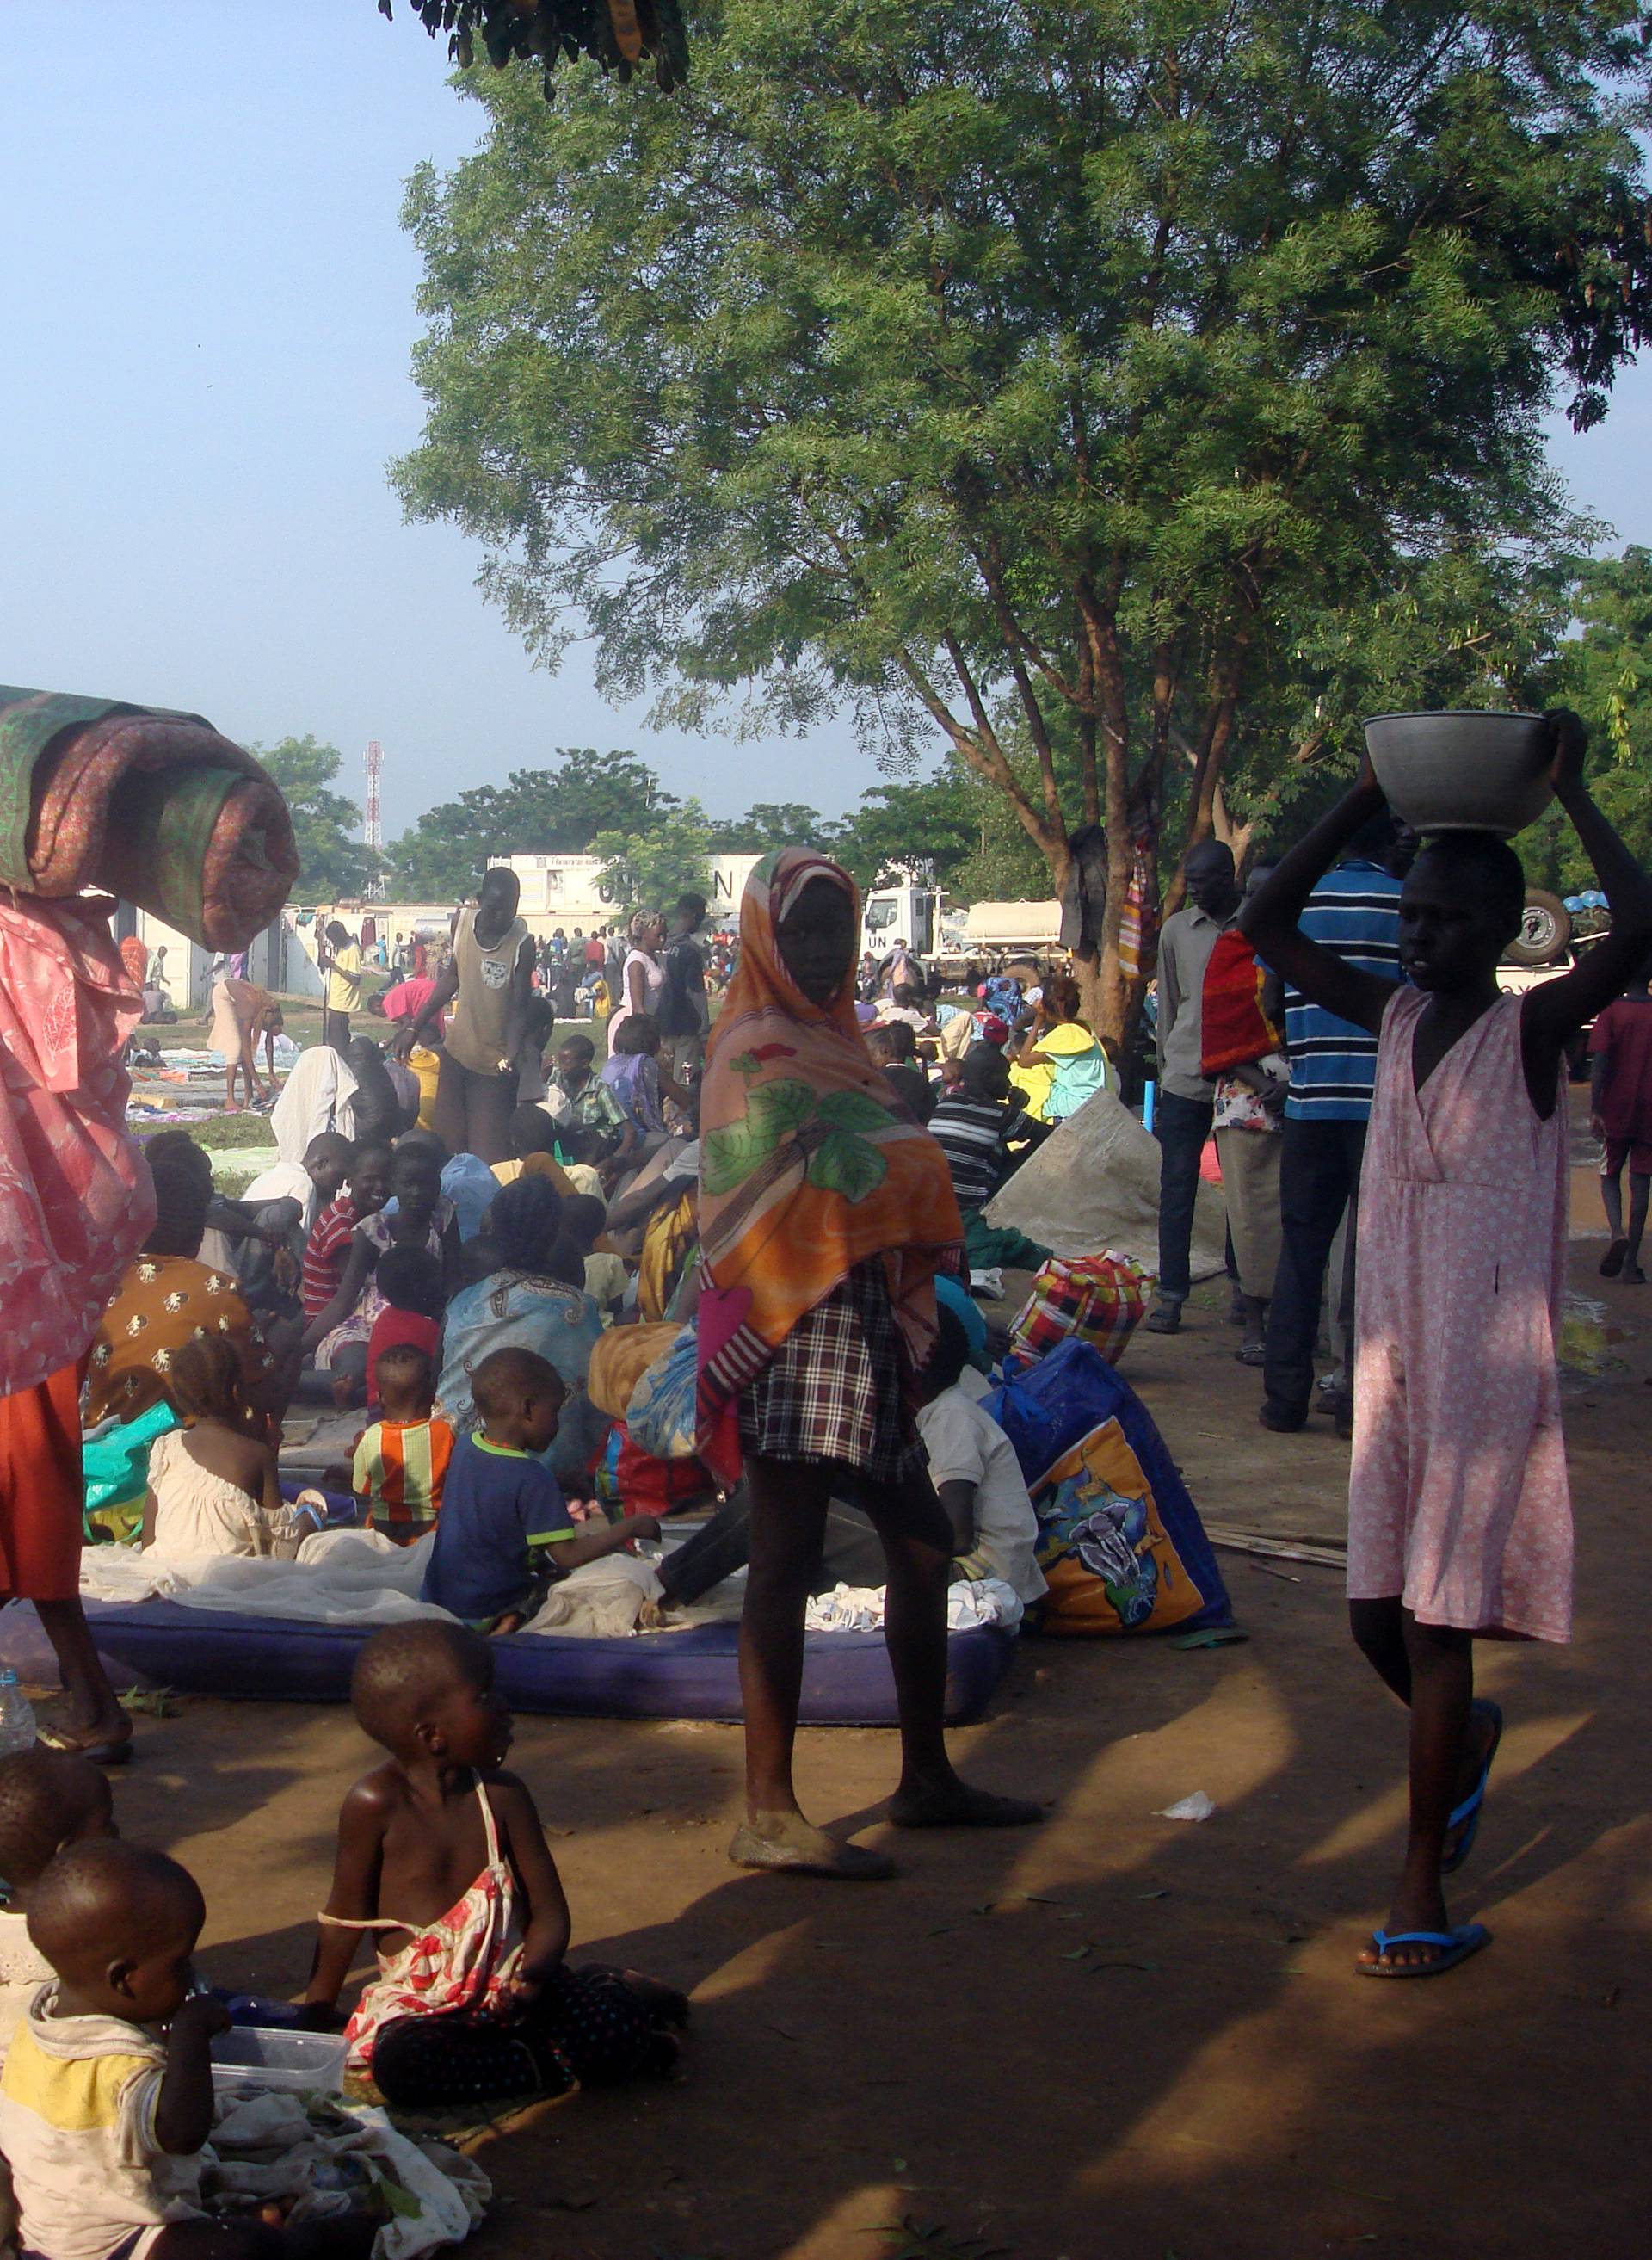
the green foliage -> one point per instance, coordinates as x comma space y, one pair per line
651, 868
769, 826
332, 861
550, 33
1088, 361
927, 827
545, 812
1604, 670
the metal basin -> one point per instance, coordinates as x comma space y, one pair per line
1462, 772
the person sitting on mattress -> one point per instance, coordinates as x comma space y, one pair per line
165, 1300
522, 1303
443, 1856
401, 1461
973, 1466
505, 1532
214, 1489
423, 1217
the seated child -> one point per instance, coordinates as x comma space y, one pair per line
532, 1137
214, 1489
975, 1124
94, 2107
48, 1799
401, 1461
585, 1221
473, 2000
328, 1250
973, 1466
420, 1215
895, 1049
410, 1281
504, 1529
580, 1149
634, 1074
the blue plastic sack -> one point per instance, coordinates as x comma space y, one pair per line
660, 1419
1121, 1543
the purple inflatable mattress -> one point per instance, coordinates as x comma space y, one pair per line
678, 1675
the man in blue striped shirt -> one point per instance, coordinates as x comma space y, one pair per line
1355, 910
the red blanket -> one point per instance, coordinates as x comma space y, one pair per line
1235, 1030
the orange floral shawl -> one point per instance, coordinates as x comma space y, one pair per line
809, 1164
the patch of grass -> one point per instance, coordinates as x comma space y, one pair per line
224, 1133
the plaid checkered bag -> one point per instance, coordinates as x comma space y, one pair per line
1094, 1299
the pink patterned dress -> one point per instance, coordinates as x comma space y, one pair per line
1458, 1500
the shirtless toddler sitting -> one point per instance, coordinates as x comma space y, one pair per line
442, 1854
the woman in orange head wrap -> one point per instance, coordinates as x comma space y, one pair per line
826, 1211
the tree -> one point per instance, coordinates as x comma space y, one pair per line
549, 33
649, 869
1604, 670
769, 826
971, 359
333, 863
536, 813
924, 827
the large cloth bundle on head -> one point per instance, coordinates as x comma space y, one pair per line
154, 807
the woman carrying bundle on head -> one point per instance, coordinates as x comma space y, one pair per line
825, 1212
1459, 1512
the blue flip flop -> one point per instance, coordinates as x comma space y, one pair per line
1455, 1946
1470, 1809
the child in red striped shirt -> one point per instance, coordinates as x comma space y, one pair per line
401, 1461
328, 1250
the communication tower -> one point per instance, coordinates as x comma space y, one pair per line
373, 829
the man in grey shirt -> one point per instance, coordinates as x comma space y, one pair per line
1185, 1105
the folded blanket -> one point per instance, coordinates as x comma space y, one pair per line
156, 807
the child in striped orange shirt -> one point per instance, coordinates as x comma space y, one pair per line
401, 1461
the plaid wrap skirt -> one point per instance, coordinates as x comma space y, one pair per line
833, 1390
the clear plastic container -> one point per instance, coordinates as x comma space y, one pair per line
16, 1716
264, 2055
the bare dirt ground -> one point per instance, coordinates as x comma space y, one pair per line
1117, 2035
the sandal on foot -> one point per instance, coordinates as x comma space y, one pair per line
1611, 1261
1466, 1816
115, 1753
843, 1864
1252, 1353
1164, 1319
1455, 1946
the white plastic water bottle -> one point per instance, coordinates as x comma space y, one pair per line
16, 1716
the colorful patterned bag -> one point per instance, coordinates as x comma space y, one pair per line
1119, 1539
1094, 1299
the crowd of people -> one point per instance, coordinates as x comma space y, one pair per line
772, 1165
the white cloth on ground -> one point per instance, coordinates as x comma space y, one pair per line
860, 1608
352, 1578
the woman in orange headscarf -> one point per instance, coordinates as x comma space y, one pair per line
826, 1211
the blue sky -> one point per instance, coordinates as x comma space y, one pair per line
208, 307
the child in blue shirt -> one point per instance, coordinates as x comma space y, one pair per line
505, 1532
